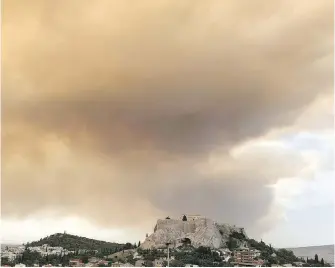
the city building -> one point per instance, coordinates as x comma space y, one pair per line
76, 263
245, 257
299, 263
10, 255
93, 260
103, 262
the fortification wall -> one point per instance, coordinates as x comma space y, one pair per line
194, 217
201, 231
178, 225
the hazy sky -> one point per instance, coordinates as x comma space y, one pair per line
115, 113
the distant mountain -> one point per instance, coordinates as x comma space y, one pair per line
326, 252
74, 242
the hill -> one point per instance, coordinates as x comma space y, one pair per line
198, 230
193, 240
74, 242
326, 252
191, 237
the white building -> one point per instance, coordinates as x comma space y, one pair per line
298, 264
20, 249
255, 253
217, 251
94, 259
10, 255
137, 255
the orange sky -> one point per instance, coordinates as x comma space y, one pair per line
114, 110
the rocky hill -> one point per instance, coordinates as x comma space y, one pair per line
195, 230
74, 242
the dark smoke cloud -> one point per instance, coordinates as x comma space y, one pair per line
110, 107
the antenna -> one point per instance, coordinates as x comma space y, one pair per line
168, 253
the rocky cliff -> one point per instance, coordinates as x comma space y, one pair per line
200, 232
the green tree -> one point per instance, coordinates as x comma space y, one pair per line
184, 218
232, 243
5, 261
128, 246
238, 235
316, 258
139, 243
148, 263
177, 263
131, 260
84, 259
186, 241
322, 262
203, 250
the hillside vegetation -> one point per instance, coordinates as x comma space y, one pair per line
83, 248
74, 242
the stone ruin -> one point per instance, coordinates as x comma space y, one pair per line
199, 230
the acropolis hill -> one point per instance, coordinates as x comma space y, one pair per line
200, 231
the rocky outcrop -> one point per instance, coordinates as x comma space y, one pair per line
200, 231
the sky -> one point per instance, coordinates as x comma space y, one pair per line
117, 113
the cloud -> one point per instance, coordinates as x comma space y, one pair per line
113, 109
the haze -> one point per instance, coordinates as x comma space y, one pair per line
116, 113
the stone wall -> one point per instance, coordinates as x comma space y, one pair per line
183, 226
194, 217
201, 232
